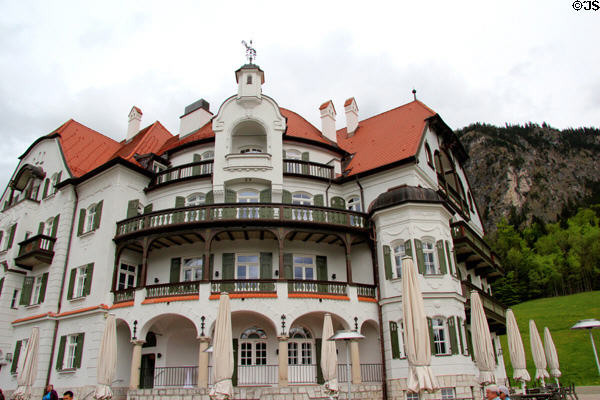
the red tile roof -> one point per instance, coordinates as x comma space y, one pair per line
204, 132
349, 101
324, 105
385, 138
138, 110
301, 128
148, 140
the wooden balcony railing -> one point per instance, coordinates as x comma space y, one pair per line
184, 171
464, 236
172, 289
36, 250
493, 308
267, 212
363, 290
243, 286
318, 287
308, 168
121, 296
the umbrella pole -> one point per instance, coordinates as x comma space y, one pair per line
557, 382
524, 387
595, 353
348, 369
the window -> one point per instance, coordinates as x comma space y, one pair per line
80, 281
399, 253
293, 167
401, 339
37, 290
127, 276
247, 196
412, 396
440, 336
48, 227
429, 258
300, 347
304, 267
158, 167
195, 199
293, 155
302, 214
71, 352
247, 266
253, 347
354, 204
53, 183
249, 80
250, 150
15, 299
206, 156
428, 155
89, 218
192, 269
448, 394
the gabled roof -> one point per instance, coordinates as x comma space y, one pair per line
386, 138
148, 140
205, 132
298, 127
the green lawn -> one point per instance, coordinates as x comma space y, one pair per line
574, 348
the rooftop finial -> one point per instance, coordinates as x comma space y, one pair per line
414, 92
250, 52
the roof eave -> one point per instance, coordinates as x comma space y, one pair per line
107, 165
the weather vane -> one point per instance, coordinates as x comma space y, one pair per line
250, 52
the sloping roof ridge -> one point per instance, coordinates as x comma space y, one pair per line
317, 129
391, 110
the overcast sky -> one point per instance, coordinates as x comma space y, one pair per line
496, 62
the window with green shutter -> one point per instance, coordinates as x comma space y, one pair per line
78, 350
453, 337
46, 183
98, 215
288, 266
460, 327
26, 291
420, 256
441, 257
61, 352
55, 226
451, 268
175, 272
89, 273
44, 283
81, 225
387, 261
132, 208
431, 336
1, 285
16, 355
266, 271
71, 287
228, 270
11, 236
394, 339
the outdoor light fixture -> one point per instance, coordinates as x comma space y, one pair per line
216, 274
134, 329
347, 336
202, 318
333, 276
589, 324
282, 324
156, 280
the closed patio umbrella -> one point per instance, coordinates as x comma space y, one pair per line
537, 351
329, 359
107, 360
483, 349
28, 371
223, 352
551, 355
418, 350
516, 350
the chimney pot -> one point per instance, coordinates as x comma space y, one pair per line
135, 119
351, 110
328, 120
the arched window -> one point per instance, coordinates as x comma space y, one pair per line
300, 347
247, 196
208, 155
428, 155
253, 347
250, 150
302, 199
150, 340
440, 335
293, 154
429, 258
194, 199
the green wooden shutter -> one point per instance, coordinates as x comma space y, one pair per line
15, 360
452, 332
387, 262
26, 291
458, 274
148, 208
40, 228
89, 273
179, 202
138, 278
470, 343
11, 235
431, 338
210, 197
228, 271
55, 226
288, 266
132, 208
197, 169
43, 288
78, 351
175, 270
408, 248
1, 285
441, 256
71, 283
305, 156
318, 215
322, 273
211, 266
420, 257
265, 197
230, 196
61, 353
286, 197
451, 268
394, 340
266, 265
81, 221
58, 179
98, 215
45, 193
459, 326
318, 344
234, 377
318, 200
338, 202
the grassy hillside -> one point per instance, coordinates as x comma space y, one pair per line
574, 348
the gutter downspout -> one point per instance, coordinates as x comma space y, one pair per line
379, 313
62, 286
362, 195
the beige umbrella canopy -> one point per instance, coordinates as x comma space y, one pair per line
418, 351
551, 355
107, 360
223, 352
515, 348
28, 370
537, 351
483, 349
329, 359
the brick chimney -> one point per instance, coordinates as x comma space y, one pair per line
351, 110
328, 120
135, 119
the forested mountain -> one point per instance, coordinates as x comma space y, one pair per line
538, 190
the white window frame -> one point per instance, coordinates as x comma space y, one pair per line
293, 167
90, 215
36, 290
127, 273
401, 339
250, 196
399, 252
247, 265
440, 325
195, 199
304, 267
412, 396
208, 155
253, 351
158, 167
448, 393
253, 149
431, 267
293, 154
53, 182
70, 351
80, 278
353, 203
192, 268
302, 199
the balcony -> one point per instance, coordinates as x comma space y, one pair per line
182, 173
449, 193
474, 252
308, 168
34, 251
243, 286
172, 289
248, 162
123, 296
318, 288
241, 215
494, 310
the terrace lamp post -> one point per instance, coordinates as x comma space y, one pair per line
347, 336
590, 324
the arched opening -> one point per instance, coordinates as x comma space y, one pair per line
249, 137
125, 350
370, 352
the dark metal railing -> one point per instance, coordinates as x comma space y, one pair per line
243, 286
257, 375
363, 290
42, 243
121, 296
489, 302
236, 212
300, 167
318, 287
371, 372
172, 289
183, 171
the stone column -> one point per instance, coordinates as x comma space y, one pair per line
203, 362
136, 363
355, 359
283, 360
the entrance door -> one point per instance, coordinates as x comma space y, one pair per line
147, 371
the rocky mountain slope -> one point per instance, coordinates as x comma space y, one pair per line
522, 172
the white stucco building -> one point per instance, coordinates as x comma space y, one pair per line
293, 221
